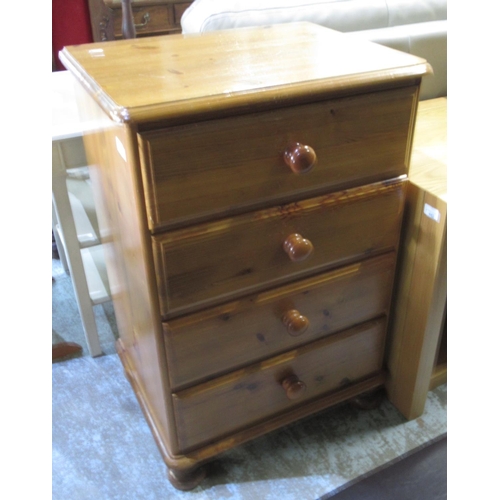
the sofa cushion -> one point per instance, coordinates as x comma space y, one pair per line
341, 15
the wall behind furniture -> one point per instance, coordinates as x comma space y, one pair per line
70, 26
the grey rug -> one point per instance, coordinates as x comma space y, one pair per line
103, 449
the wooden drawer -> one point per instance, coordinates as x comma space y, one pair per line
219, 167
239, 333
242, 398
150, 20
205, 264
179, 9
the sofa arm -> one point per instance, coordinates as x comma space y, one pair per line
340, 15
418, 27
426, 40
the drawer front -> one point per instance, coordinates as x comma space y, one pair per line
151, 20
218, 167
179, 9
236, 334
206, 264
242, 398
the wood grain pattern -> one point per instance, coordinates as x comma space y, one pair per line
168, 78
190, 459
429, 157
220, 167
254, 393
201, 265
110, 150
237, 333
197, 201
420, 306
418, 322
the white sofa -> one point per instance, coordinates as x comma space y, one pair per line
418, 27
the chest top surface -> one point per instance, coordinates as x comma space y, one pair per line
156, 76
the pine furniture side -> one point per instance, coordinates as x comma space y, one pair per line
417, 359
283, 235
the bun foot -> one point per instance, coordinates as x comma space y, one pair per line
186, 479
369, 400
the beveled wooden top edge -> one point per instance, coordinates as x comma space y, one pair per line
169, 99
115, 112
262, 99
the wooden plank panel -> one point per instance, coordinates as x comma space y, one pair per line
242, 398
420, 305
202, 265
219, 167
111, 151
241, 332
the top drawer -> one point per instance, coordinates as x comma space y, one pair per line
219, 167
149, 20
152, 19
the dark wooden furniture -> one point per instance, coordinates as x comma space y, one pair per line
64, 349
151, 18
250, 185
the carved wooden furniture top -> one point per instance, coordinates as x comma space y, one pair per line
173, 75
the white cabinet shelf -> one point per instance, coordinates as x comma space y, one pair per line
95, 272
74, 219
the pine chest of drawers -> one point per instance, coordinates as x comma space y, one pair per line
250, 187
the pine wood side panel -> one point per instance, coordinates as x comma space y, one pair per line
420, 302
99, 154
419, 306
429, 157
120, 207
242, 398
242, 332
218, 167
202, 265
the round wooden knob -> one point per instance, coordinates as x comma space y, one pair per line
295, 323
294, 387
300, 158
297, 247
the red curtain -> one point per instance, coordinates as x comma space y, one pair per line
70, 25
